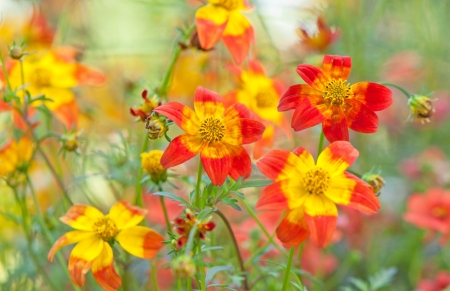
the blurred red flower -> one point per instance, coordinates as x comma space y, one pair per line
440, 283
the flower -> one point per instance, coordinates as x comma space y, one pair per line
375, 180
152, 165
421, 107
156, 127
430, 211
15, 156
222, 19
310, 192
146, 108
327, 98
440, 283
95, 234
183, 267
217, 134
184, 225
320, 40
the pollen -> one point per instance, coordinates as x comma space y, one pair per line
105, 228
212, 129
336, 91
316, 181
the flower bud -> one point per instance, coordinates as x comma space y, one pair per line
421, 107
376, 181
156, 127
70, 141
152, 165
16, 52
183, 267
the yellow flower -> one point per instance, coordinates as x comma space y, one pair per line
15, 156
95, 233
421, 107
152, 165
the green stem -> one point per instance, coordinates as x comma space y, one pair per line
5, 73
236, 247
202, 268
138, 187
288, 270
162, 90
397, 87
354, 173
154, 278
319, 148
261, 226
22, 76
166, 216
197, 185
189, 284
179, 285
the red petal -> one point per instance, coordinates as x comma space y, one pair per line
308, 113
256, 67
238, 36
208, 103
337, 66
292, 230
279, 164
241, 165
89, 76
182, 148
282, 195
237, 110
321, 218
211, 21
182, 115
216, 161
335, 128
313, 76
376, 97
337, 157
294, 94
363, 198
359, 117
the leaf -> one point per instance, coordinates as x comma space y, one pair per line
382, 278
236, 184
173, 197
214, 270
204, 213
297, 279
232, 202
360, 284
214, 248
250, 184
301, 288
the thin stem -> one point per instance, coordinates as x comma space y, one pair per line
166, 215
202, 268
236, 247
288, 270
197, 185
154, 278
261, 226
138, 187
5, 73
397, 87
354, 173
319, 148
179, 285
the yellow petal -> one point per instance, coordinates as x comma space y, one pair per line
140, 241
81, 258
82, 217
69, 238
126, 215
103, 270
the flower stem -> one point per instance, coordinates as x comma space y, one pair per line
319, 148
166, 215
255, 217
154, 278
22, 76
197, 185
236, 247
5, 73
288, 270
138, 187
397, 87
354, 173
202, 268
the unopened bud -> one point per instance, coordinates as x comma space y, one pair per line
156, 127
376, 181
16, 52
421, 107
183, 267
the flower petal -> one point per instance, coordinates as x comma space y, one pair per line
305, 156
237, 110
359, 117
294, 94
67, 113
103, 270
241, 165
208, 103
308, 113
238, 36
335, 127
140, 241
126, 215
182, 148
81, 258
313, 76
243, 131
211, 21
321, 217
182, 115
88, 76
280, 164
282, 195
69, 238
216, 161
337, 67
337, 157
292, 230
375, 96
81, 217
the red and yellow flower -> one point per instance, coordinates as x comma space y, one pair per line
222, 19
322, 39
309, 192
217, 134
329, 99
95, 233
15, 155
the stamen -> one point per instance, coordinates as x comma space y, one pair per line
212, 129
105, 228
316, 181
337, 90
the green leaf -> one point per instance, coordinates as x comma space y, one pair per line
214, 270
173, 197
360, 284
297, 279
254, 183
232, 202
214, 248
204, 213
382, 278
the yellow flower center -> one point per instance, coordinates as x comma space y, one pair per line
228, 4
265, 99
105, 228
336, 91
212, 129
316, 181
151, 162
439, 212
41, 78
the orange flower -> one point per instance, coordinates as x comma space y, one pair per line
217, 134
95, 233
222, 19
322, 39
310, 192
15, 155
327, 98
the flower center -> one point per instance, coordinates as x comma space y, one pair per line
439, 212
265, 99
228, 4
212, 129
105, 228
336, 91
41, 78
316, 181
